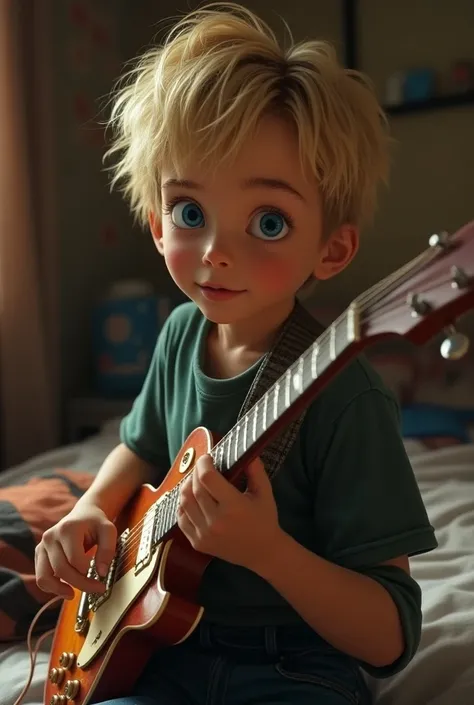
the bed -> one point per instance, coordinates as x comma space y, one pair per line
442, 672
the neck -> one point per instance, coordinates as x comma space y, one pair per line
255, 334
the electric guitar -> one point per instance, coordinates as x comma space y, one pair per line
103, 641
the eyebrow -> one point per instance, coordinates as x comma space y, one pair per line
254, 182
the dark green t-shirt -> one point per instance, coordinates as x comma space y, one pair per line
346, 490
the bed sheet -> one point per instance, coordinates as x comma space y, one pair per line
442, 672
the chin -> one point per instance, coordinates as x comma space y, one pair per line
214, 315
220, 312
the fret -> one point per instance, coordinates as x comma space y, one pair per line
288, 389
324, 357
298, 377
219, 456
332, 342
229, 448
265, 406
246, 424
314, 361
275, 401
214, 457
353, 322
236, 444
254, 430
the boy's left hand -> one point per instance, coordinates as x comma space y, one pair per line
221, 521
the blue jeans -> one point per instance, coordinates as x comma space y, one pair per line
250, 666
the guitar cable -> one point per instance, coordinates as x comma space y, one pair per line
33, 653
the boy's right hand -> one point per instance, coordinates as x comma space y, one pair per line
60, 557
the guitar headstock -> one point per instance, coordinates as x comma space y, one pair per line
425, 296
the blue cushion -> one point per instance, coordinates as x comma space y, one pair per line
428, 421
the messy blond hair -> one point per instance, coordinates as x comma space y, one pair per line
203, 91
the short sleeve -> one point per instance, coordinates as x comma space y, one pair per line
143, 430
368, 505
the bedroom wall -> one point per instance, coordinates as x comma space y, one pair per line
97, 239
433, 152
433, 156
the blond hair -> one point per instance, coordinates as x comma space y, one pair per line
203, 91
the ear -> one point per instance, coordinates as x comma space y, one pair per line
337, 252
156, 228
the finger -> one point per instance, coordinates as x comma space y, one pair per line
107, 542
258, 481
186, 525
66, 572
45, 578
206, 503
189, 505
217, 486
75, 554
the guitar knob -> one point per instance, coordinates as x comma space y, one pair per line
58, 700
71, 689
67, 660
440, 240
56, 675
455, 345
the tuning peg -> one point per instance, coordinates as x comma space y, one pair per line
460, 280
419, 307
455, 345
440, 240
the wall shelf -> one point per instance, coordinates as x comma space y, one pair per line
434, 103
351, 49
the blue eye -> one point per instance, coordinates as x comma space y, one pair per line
269, 225
187, 214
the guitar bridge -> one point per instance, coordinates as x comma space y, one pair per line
95, 599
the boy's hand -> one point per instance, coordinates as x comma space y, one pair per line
221, 521
61, 559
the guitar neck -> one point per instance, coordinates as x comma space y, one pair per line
288, 395
276, 408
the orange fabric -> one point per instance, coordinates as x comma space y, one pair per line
26, 511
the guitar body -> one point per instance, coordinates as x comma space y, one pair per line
155, 608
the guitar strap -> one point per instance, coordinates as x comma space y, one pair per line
298, 333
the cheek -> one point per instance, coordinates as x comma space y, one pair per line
178, 259
276, 273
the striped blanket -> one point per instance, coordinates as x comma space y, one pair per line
26, 511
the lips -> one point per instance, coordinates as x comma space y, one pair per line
218, 287
212, 292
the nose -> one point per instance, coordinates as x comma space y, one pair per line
216, 252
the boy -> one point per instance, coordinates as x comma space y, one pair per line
254, 168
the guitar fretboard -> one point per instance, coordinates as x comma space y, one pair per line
268, 410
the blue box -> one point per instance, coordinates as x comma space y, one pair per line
124, 338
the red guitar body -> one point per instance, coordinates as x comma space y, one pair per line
162, 612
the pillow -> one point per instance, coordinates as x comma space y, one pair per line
437, 426
26, 511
